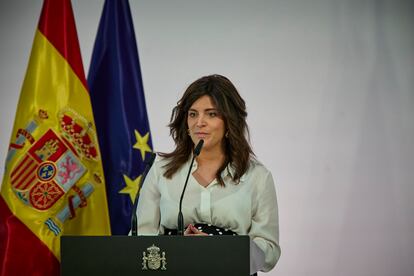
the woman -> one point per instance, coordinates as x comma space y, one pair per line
227, 190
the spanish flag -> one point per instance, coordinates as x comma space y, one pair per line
53, 183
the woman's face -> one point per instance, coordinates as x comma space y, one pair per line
204, 122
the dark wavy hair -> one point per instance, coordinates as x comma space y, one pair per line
232, 109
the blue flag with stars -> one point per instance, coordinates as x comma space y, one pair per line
118, 103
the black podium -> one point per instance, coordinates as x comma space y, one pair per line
155, 255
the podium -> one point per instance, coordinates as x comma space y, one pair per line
155, 255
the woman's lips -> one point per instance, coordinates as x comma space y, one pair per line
201, 134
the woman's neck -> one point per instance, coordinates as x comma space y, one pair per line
208, 165
210, 157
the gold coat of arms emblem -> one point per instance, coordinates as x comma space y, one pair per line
153, 260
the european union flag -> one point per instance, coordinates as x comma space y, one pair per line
120, 113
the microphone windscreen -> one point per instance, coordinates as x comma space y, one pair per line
197, 149
151, 159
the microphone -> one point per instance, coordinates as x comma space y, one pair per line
134, 219
196, 152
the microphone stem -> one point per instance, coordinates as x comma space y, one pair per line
134, 220
180, 226
180, 230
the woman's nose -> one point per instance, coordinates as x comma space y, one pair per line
200, 121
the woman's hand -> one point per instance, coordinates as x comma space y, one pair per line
193, 231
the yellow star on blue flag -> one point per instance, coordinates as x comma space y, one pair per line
131, 187
142, 143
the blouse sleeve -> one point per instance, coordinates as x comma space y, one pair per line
264, 231
148, 211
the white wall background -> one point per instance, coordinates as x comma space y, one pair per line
330, 93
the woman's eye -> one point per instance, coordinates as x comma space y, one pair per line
212, 114
191, 114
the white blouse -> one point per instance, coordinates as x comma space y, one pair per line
247, 208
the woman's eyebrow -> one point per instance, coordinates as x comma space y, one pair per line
207, 109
